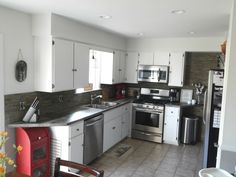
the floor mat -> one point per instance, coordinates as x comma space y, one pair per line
121, 150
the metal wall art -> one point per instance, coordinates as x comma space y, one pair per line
21, 68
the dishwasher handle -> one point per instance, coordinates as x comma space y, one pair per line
91, 123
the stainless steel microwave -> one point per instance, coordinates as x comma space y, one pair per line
153, 73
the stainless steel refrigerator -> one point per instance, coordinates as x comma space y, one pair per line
211, 116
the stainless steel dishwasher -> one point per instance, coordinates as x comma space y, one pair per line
93, 138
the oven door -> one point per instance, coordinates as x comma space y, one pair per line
148, 120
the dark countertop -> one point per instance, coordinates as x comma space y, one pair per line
183, 105
77, 114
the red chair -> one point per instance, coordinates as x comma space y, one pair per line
82, 168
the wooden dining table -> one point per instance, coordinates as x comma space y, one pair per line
16, 174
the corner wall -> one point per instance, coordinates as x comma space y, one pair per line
16, 28
2, 121
227, 144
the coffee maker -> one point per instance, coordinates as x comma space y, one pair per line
120, 90
174, 95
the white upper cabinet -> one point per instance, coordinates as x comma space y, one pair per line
131, 67
161, 58
145, 58
63, 64
176, 69
122, 67
81, 65
60, 64
112, 67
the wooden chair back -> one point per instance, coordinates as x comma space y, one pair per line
77, 166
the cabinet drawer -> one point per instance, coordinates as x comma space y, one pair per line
172, 111
125, 108
112, 114
76, 129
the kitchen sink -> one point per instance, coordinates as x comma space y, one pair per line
99, 106
102, 105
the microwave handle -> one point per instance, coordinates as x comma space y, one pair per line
159, 75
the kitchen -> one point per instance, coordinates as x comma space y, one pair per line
203, 44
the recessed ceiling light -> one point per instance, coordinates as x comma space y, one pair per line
105, 16
192, 32
179, 11
140, 34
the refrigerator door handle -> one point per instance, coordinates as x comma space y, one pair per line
204, 108
216, 145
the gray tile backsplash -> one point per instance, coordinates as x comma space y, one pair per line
49, 103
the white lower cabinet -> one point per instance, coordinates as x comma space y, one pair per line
67, 143
112, 133
171, 125
76, 148
116, 126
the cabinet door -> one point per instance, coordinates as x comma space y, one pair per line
125, 125
161, 58
81, 65
176, 72
145, 58
116, 67
76, 149
63, 65
122, 67
171, 125
112, 133
131, 67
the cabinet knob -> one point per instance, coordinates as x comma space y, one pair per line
53, 86
164, 123
113, 128
77, 129
39, 138
171, 112
74, 69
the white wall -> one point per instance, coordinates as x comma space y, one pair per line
71, 29
175, 44
2, 120
16, 27
227, 140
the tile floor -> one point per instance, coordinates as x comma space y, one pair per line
147, 159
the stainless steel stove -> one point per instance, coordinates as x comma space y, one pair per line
148, 114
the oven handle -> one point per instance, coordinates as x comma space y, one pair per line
152, 112
148, 134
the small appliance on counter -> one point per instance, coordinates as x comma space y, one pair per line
120, 91
174, 95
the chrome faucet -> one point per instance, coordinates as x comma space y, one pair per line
93, 97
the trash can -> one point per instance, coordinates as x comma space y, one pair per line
189, 130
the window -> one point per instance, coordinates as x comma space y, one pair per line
95, 59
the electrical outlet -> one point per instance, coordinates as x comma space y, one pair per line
60, 98
22, 106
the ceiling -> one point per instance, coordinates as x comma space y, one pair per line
152, 18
